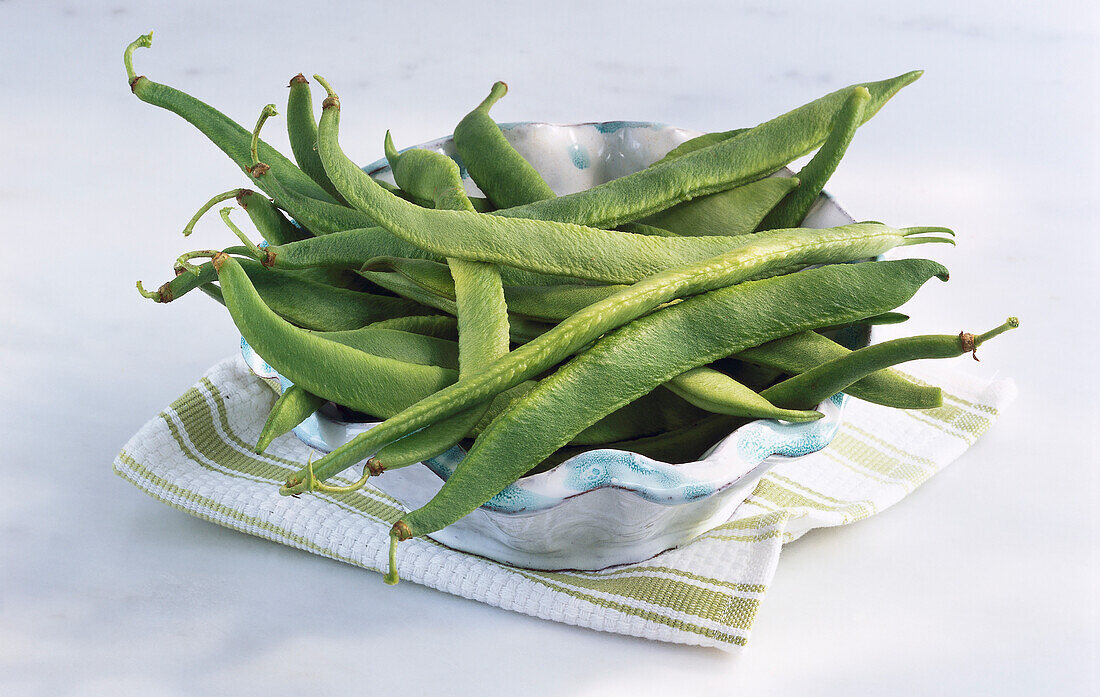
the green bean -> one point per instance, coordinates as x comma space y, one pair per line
699, 142
440, 326
400, 345
184, 282
736, 211
294, 406
637, 228
232, 138
676, 446
322, 307
371, 384
483, 328
829, 378
884, 318
805, 351
272, 224
624, 365
717, 392
659, 411
771, 250
747, 157
793, 209
301, 127
502, 173
542, 302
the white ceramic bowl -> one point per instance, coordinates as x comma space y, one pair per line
603, 507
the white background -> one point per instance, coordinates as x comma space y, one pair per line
982, 582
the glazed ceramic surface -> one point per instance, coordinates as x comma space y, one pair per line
603, 507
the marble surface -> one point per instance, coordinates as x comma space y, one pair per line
982, 582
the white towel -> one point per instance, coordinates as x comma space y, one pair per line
197, 456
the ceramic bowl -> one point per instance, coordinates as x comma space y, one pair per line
603, 507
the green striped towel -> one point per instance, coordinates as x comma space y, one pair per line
196, 456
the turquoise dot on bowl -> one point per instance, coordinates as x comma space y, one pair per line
579, 154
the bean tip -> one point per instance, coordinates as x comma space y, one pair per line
332, 101
154, 296
390, 150
298, 79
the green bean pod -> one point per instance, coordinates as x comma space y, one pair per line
483, 327
301, 127
736, 211
232, 138
294, 406
717, 392
771, 250
360, 381
805, 351
495, 166
272, 225
793, 209
756, 153
699, 142
837, 375
404, 346
623, 365
541, 302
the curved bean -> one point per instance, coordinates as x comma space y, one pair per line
736, 211
793, 209
717, 392
829, 378
232, 138
360, 381
294, 406
301, 128
495, 166
747, 157
805, 351
483, 328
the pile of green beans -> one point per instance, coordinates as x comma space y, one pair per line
652, 313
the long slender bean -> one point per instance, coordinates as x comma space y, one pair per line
535, 245
232, 138
483, 327
747, 157
793, 209
495, 166
736, 211
836, 375
293, 407
301, 127
360, 381
805, 351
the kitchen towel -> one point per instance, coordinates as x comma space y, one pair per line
197, 456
